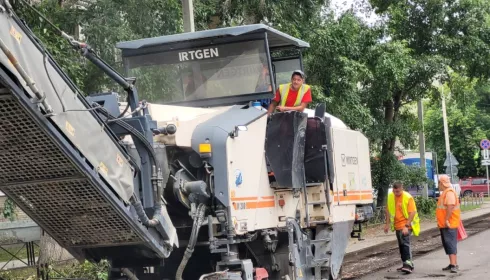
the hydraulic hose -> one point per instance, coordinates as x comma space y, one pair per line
128, 273
140, 211
159, 178
131, 130
198, 221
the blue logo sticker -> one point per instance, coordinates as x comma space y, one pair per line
238, 178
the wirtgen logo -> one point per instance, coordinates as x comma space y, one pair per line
347, 160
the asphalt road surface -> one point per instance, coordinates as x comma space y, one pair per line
473, 260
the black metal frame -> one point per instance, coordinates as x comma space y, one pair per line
31, 256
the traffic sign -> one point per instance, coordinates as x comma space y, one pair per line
453, 161
485, 162
485, 144
454, 170
485, 154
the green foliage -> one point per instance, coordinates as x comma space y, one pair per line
391, 170
63, 18
85, 270
88, 270
456, 30
426, 207
368, 82
9, 209
387, 169
467, 125
107, 22
334, 62
413, 175
218, 13
104, 23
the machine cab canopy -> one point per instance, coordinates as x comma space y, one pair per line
212, 67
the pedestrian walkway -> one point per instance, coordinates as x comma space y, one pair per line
376, 236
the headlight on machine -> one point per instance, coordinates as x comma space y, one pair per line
205, 150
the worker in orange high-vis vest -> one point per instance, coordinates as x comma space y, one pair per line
448, 216
293, 96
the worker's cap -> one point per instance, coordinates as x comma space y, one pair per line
299, 72
444, 180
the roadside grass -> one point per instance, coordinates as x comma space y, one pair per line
70, 269
26, 273
469, 207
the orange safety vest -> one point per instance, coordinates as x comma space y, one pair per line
441, 211
284, 91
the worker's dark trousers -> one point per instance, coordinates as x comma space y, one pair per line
404, 245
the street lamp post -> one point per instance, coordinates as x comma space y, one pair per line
420, 110
188, 14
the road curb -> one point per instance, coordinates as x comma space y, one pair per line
429, 232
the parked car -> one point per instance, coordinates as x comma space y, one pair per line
418, 191
475, 185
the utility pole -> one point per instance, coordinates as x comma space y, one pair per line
420, 109
188, 14
437, 168
446, 134
451, 162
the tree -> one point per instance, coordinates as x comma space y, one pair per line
107, 22
456, 30
467, 125
335, 63
368, 82
291, 16
398, 77
453, 33
65, 19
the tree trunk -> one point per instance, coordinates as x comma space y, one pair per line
50, 251
392, 108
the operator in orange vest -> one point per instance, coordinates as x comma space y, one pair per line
292, 96
448, 216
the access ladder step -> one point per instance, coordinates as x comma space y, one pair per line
317, 203
319, 222
320, 240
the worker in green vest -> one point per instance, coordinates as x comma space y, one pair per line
402, 217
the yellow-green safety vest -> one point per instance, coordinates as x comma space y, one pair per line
391, 209
284, 91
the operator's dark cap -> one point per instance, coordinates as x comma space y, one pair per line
299, 72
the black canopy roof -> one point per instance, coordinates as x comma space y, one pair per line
276, 38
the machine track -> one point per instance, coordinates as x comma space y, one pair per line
385, 255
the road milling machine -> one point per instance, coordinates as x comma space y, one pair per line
200, 183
